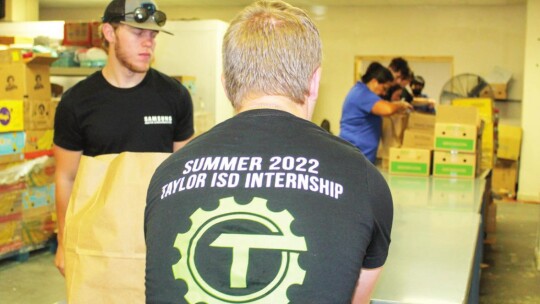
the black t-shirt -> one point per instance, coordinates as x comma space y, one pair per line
264, 206
98, 118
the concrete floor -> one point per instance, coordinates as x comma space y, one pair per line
510, 275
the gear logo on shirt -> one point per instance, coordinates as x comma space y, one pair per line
280, 240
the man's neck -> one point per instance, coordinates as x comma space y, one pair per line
281, 103
120, 76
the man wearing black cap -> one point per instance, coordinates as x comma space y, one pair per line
127, 106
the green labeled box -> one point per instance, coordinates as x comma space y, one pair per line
454, 164
456, 128
409, 161
455, 137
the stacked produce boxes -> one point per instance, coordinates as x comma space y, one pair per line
26, 163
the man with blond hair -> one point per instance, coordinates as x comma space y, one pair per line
267, 207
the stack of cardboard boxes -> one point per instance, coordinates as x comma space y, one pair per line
392, 131
414, 156
487, 153
446, 145
26, 166
79, 37
505, 172
449, 146
486, 111
457, 142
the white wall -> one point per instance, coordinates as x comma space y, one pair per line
477, 37
529, 185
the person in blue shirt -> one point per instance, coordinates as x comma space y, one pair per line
363, 108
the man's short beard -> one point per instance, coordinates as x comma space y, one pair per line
124, 61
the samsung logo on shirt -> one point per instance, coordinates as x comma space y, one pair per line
158, 120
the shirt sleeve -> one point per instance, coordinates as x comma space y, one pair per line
369, 101
183, 128
67, 133
383, 213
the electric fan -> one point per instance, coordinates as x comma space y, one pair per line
465, 86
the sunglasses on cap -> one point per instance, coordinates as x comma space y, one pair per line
141, 14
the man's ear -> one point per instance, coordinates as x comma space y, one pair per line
313, 92
108, 32
224, 85
314, 84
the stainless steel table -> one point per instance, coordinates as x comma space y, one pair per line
437, 240
431, 257
464, 195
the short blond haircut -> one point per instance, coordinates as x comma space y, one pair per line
270, 48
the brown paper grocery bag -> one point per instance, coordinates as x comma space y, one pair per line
393, 127
104, 238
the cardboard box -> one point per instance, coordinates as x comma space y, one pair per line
8, 40
38, 114
38, 143
455, 137
393, 128
11, 146
456, 128
485, 110
498, 80
505, 177
38, 230
488, 136
78, 34
11, 115
37, 216
408, 161
10, 229
11, 158
421, 121
499, 90
38, 197
509, 142
454, 164
11, 55
189, 82
457, 115
484, 105
42, 172
54, 104
95, 30
487, 159
419, 139
26, 78
10, 201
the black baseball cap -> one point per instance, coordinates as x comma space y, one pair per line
123, 11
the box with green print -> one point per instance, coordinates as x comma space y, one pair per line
410, 161
456, 129
455, 164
